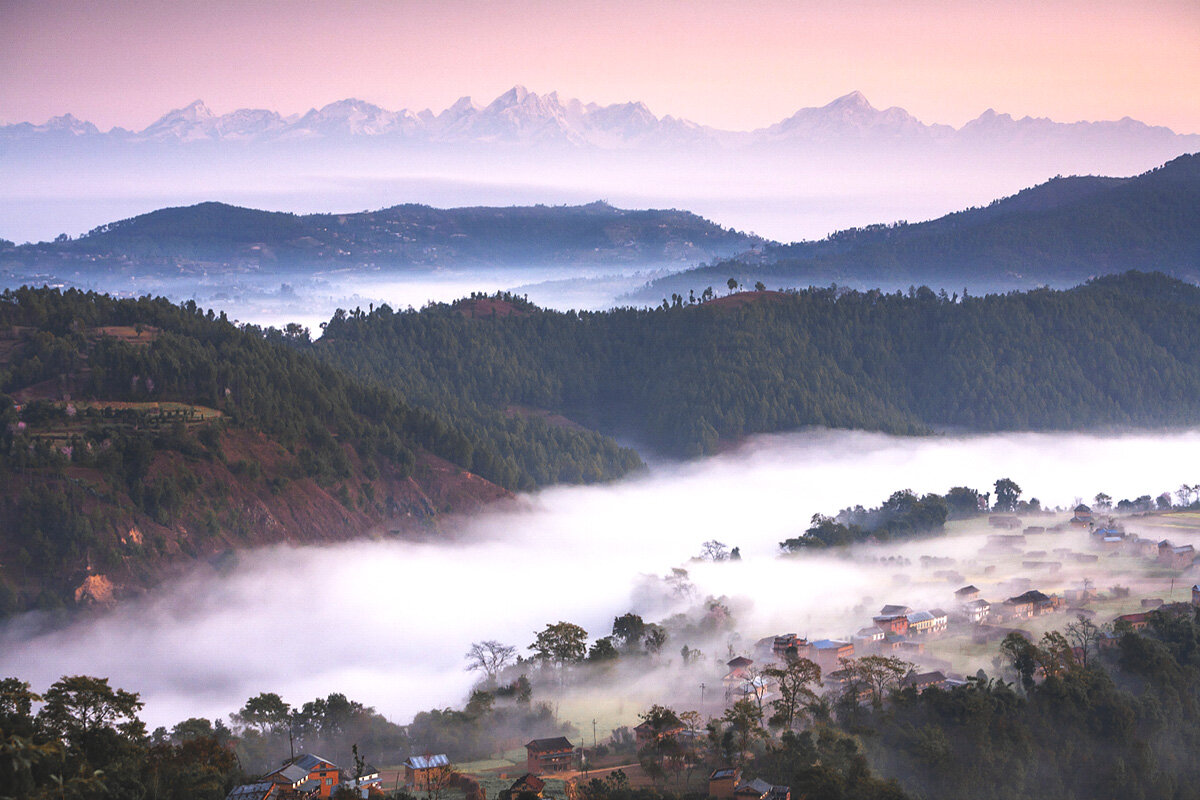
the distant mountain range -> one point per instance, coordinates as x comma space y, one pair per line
216, 236
843, 164
522, 117
1060, 233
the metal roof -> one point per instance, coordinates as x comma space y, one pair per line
427, 761
292, 773
829, 644
550, 745
250, 791
310, 762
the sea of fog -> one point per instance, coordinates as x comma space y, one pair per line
387, 622
310, 296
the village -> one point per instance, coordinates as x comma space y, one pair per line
913, 648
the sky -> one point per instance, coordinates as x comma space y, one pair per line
731, 65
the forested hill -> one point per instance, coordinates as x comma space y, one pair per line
405, 236
1119, 351
1059, 233
136, 435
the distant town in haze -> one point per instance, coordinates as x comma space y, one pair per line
667, 443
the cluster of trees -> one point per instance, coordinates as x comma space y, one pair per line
791, 739
902, 515
1085, 712
905, 514
87, 743
1076, 720
1117, 351
561, 644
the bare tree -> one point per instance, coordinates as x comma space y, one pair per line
877, 673
1084, 637
755, 685
490, 657
712, 550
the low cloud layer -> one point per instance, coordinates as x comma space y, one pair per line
387, 622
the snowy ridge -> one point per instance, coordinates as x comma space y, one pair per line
522, 117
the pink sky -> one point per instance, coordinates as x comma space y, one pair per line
728, 64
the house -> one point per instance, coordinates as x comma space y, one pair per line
924, 623
369, 783
923, 680
307, 775
920, 623
976, 610
1006, 521
549, 755
1140, 546
253, 791
966, 594
1083, 516
1136, 621
419, 771
1196, 594
1034, 530
1004, 543
644, 733
737, 675
1080, 596
759, 789
1176, 557
528, 785
789, 646
829, 652
1019, 607
1037, 602
722, 782
893, 619
1152, 602
868, 639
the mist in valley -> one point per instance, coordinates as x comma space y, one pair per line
309, 297
387, 621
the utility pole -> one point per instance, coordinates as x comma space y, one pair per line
593, 733
701, 693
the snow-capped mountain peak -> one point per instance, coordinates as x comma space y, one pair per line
522, 117
68, 123
855, 101
192, 122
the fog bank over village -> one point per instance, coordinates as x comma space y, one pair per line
401, 614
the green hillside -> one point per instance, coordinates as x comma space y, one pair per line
1059, 233
1119, 351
